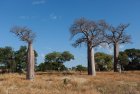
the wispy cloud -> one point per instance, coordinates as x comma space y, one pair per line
54, 17
27, 17
24, 17
38, 2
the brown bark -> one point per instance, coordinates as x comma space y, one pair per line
30, 65
116, 54
91, 61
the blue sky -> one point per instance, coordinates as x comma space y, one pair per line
51, 19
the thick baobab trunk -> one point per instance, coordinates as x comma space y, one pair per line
116, 54
91, 61
30, 63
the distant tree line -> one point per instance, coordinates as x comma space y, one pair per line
16, 61
129, 59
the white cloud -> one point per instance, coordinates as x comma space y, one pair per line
54, 17
28, 17
24, 17
38, 2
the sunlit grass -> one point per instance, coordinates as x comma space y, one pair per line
72, 83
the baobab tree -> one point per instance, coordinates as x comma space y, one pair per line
90, 33
117, 36
26, 34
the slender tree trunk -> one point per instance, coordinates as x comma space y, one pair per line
116, 54
30, 65
91, 61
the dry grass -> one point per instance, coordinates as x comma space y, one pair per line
59, 83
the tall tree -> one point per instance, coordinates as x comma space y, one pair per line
26, 34
92, 34
117, 36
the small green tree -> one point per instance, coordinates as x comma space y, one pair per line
55, 60
133, 55
41, 67
81, 68
103, 61
130, 59
59, 57
123, 59
21, 59
7, 58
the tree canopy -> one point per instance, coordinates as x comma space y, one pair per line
14, 61
103, 61
81, 68
55, 60
24, 33
130, 59
117, 36
59, 57
90, 33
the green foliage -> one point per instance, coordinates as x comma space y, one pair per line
55, 60
41, 67
14, 61
59, 57
103, 61
51, 66
81, 68
55, 66
7, 58
123, 58
130, 59
67, 56
21, 59
134, 55
53, 57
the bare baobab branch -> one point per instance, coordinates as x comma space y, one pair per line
117, 36
24, 33
90, 33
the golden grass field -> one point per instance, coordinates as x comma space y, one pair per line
60, 83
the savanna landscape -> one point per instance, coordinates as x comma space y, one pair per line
69, 47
